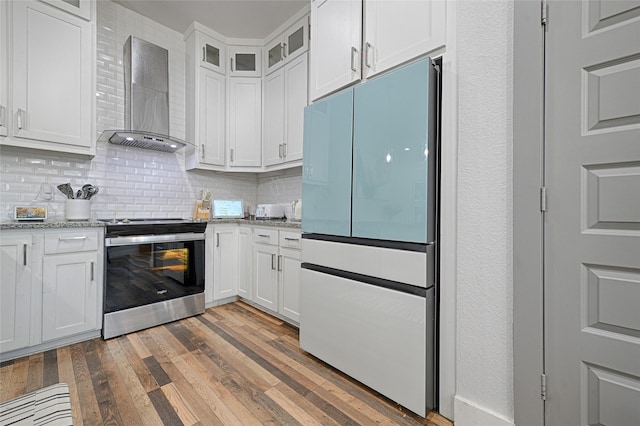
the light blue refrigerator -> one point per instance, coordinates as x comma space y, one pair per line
369, 219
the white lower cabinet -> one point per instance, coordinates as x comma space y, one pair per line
266, 275
15, 291
289, 287
50, 288
277, 271
70, 295
71, 282
225, 262
245, 261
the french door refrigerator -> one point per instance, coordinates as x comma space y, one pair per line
369, 233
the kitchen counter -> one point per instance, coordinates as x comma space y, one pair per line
51, 224
270, 223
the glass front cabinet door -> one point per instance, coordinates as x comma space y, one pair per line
287, 46
244, 61
213, 53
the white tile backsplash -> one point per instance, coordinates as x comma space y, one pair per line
132, 182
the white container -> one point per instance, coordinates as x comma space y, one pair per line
77, 209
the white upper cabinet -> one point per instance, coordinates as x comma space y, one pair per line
81, 8
285, 95
206, 107
212, 53
287, 46
392, 32
400, 30
53, 96
336, 29
244, 61
245, 122
16, 260
211, 117
3, 69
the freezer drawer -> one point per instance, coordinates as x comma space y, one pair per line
381, 337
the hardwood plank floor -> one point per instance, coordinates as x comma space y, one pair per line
232, 365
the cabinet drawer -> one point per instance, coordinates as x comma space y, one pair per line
68, 242
290, 239
265, 236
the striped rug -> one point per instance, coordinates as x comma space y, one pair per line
46, 406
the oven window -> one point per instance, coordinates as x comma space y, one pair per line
141, 274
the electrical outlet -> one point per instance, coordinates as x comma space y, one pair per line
46, 190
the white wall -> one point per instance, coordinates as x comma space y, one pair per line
484, 355
133, 182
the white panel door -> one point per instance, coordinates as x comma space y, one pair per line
225, 264
212, 117
296, 99
245, 262
15, 291
4, 82
592, 223
396, 31
336, 37
274, 102
70, 296
245, 122
52, 75
289, 286
266, 276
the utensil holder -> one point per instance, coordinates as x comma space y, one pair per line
75, 209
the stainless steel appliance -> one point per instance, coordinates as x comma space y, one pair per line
269, 212
146, 99
368, 282
154, 273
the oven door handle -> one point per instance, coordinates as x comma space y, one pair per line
147, 239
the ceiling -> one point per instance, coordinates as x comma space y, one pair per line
231, 18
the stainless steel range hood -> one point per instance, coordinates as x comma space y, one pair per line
146, 104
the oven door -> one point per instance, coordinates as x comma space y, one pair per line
143, 270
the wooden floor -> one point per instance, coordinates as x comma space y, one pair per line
232, 365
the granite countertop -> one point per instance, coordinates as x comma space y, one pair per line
270, 223
53, 224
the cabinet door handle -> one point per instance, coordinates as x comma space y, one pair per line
202, 149
264, 236
280, 263
280, 151
284, 150
92, 271
20, 118
282, 51
291, 239
285, 50
217, 239
231, 64
367, 58
204, 57
273, 261
81, 237
3, 112
24, 255
354, 55
232, 155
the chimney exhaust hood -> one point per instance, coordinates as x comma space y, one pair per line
146, 99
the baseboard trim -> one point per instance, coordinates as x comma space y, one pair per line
469, 414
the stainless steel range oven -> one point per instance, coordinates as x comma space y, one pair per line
154, 273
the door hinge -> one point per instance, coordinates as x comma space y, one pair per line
543, 387
543, 13
543, 199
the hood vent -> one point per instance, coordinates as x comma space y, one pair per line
146, 104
